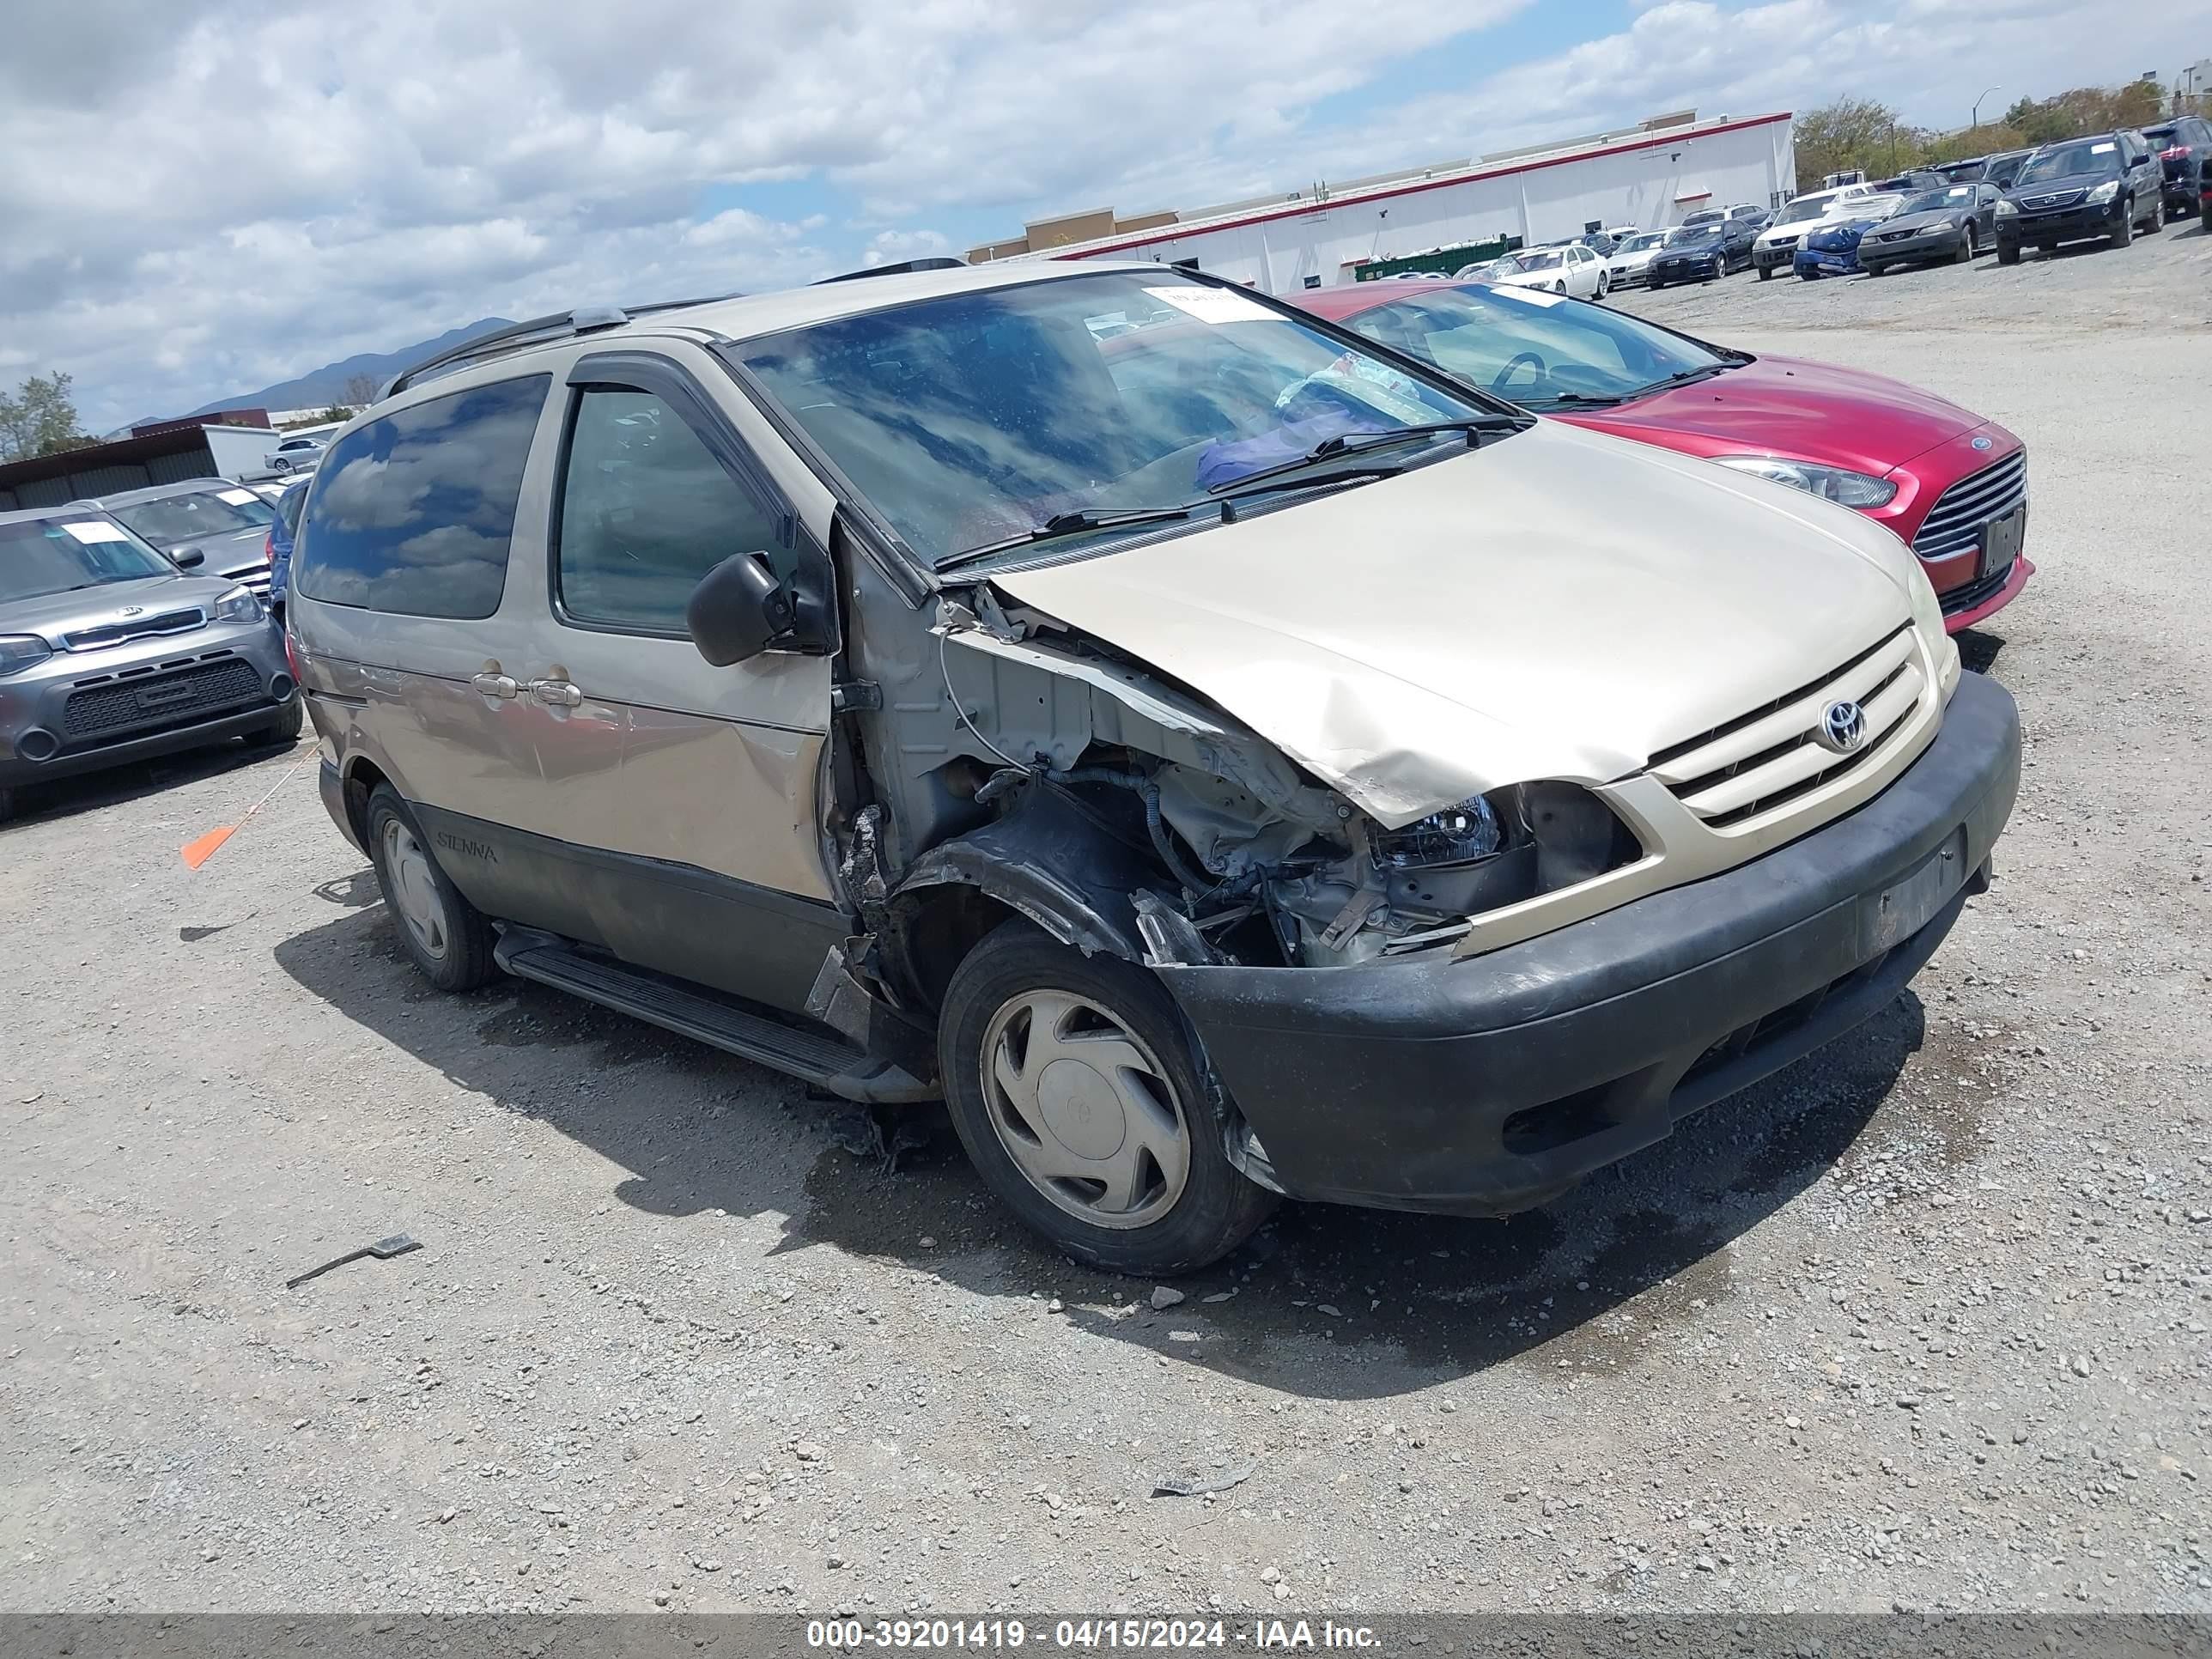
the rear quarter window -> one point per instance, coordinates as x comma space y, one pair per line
414, 513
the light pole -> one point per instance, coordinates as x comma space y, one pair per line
1978, 104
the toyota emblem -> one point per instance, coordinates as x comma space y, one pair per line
1843, 727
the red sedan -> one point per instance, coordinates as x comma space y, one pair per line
1950, 483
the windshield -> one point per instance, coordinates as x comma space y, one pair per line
1805, 206
55, 556
1649, 239
1531, 349
971, 418
1690, 234
2064, 161
1934, 201
171, 520
1547, 259
1710, 216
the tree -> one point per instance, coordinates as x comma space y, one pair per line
335, 412
1851, 132
39, 420
360, 389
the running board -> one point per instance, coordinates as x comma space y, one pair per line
706, 1017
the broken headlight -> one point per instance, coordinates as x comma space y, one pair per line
1498, 849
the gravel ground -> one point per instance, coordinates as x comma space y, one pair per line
1923, 1322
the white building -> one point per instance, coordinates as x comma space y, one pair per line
1651, 176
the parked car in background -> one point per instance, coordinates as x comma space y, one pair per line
1596, 242
1776, 245
2003, 167
2104, 185
1953, 221
1630, 264
109, 653
1703, 216
2184, 145
1571, 270
1966, 172
1698, 254
1831, 248
1752, 214
281, 531
1287, 895
204, 524
1949, 483
295, 455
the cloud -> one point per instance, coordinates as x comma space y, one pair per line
195, 207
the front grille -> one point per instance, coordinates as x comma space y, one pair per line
1770, 757
136, 628
170, 693
1966, 597
1954, 523
252, 577
2057, 199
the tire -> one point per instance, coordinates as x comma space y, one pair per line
1808, 276
280, 466
2156, 221
1600, 286
1558, 288
6, 803
987, 1034
1765, 273
2124, 232
286, 727
447, 939
2008, 253
1966, 254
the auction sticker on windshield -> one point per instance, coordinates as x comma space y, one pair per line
237, 497
96, 531
1530, 296
1214, 305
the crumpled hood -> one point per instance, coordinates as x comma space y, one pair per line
1809, 411
1558, 604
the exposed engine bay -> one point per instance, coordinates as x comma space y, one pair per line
1255, 862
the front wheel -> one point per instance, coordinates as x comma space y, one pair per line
1967, 245
2008, 253
1765, 273
285, 728
2124, 232
1079, 1095
446, 937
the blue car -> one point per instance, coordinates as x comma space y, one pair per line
282, 529
1831, 249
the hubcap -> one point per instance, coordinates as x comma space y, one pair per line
414, 892
1084, 1109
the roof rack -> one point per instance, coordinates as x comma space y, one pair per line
935, 261
538, 331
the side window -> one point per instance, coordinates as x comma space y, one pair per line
646, 511
414, 513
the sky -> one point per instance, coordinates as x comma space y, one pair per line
200, 197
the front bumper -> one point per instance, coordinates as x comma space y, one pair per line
2072, 224
1486, 1085
1941, 244
1775, 256
217, 683
1822, 263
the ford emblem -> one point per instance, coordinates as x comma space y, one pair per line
1843, 727
1984, 443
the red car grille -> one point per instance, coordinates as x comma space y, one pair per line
1954, 523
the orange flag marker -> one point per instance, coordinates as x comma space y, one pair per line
197, 853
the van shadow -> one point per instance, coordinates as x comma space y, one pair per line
1323, 1301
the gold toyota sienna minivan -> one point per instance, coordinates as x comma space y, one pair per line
1220, 757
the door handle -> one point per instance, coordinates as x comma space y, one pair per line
557, 694
495, 685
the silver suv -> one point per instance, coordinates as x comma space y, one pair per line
1221, 757
109, 653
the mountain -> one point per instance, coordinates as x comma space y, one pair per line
327, 385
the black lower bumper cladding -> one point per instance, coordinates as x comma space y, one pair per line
1487, 1084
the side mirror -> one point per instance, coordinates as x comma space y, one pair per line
191, 559
738, 609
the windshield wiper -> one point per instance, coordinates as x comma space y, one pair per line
1070, 524
1687, 377
1347, 444
1578, 399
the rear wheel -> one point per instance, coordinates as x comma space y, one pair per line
1081, 1099
446, 937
